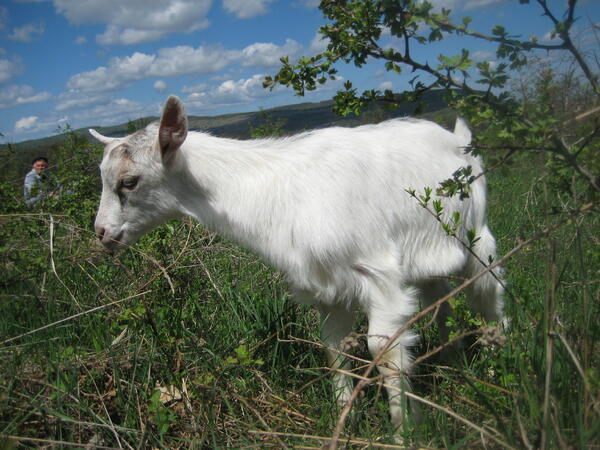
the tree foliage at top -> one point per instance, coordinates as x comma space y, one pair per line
480, 91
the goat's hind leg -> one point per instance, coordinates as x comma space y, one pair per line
431, 291
485, 295
386, 317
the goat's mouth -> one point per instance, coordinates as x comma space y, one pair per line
114, 242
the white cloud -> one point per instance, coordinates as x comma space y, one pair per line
195, 89
73, 100
476, 4
80, 12
384, 85
33, 125
243, 91
461, 4
115, 35
230, 92
169, 62
80, 40
318, 44
227, 75
3, 17
26, 32
439, 4
115, 111
26, 123
160, 85
101, 109
15, 95
551, 37
245, 9
267, 54
34, 98
183, 60
483, 55
10, 68
177, 61
309, 3
135, 21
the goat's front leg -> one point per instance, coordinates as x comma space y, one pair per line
336, 325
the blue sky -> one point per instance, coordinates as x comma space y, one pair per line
96, 63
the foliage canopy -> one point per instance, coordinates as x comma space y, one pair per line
479, 91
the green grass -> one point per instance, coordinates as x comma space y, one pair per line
198, 344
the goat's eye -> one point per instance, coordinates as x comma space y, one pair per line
129, 182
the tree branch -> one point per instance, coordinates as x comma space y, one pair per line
563, 29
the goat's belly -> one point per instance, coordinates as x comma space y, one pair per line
318, 283
431, 262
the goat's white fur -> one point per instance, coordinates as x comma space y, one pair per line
328, 207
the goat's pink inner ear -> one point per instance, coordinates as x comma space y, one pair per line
173, 127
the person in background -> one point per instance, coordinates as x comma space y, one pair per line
37, 182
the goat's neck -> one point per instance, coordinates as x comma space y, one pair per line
230, 185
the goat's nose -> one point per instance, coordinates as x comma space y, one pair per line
100, 231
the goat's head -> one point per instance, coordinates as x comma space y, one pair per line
137, 178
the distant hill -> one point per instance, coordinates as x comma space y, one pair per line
294, 118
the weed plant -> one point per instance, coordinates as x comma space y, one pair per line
186, 340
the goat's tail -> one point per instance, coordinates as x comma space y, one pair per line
462, 133
485, 295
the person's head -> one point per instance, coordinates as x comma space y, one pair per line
39, 164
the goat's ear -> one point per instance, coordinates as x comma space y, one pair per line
173, 127
103, 139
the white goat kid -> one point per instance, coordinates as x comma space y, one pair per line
328, 207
